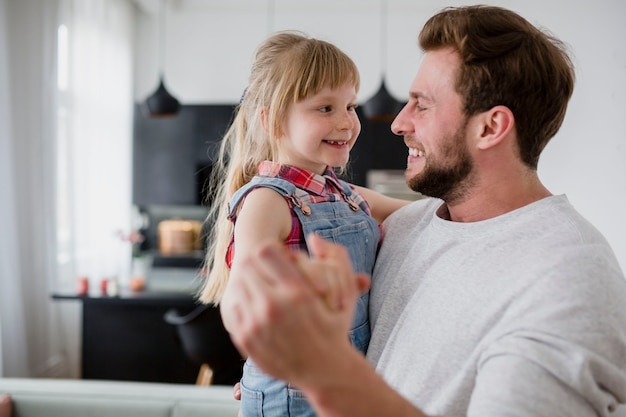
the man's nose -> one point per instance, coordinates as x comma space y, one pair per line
399, 126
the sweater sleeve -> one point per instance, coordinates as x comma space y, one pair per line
561, 377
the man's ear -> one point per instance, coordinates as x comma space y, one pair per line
496, 124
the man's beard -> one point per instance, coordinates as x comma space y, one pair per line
449, 177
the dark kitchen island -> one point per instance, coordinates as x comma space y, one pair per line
125, 337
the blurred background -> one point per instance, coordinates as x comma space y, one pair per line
87, 175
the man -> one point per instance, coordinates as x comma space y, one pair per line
493, 298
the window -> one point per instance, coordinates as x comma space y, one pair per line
95, 106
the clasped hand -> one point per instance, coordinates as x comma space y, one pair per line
289, 311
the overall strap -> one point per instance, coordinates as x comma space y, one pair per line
281, 186
347, 194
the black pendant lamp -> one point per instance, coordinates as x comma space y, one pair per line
161, 103
382, 107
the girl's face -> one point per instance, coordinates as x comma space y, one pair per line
320, 130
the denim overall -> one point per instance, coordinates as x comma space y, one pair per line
342, 222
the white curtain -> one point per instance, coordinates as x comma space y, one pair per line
11, 332
65, 156
95, 141
28, 320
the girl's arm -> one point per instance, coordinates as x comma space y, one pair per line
381, 205
263, 215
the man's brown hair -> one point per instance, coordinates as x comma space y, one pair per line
506, 61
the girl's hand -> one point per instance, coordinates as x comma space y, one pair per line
324, 273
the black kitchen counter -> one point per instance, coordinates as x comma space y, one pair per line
131, 297
125, 337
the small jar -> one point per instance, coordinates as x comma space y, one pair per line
82, 286
113, 287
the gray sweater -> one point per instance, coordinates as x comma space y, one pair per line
520, 315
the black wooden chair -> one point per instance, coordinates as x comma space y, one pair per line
206, 343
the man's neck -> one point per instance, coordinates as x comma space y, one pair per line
498, 198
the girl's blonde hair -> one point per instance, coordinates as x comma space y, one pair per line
288, 68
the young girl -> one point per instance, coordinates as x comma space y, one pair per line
295, 122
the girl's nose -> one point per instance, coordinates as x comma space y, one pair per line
346, 121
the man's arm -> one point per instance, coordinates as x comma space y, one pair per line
355, 389
278, 319
381, 205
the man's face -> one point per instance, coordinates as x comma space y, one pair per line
434, 127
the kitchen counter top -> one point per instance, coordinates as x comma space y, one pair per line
163, 285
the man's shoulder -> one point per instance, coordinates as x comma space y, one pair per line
411, 212
561, 223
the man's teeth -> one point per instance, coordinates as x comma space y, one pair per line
416, 152
337, 142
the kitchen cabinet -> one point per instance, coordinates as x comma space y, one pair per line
172, 156
127, 338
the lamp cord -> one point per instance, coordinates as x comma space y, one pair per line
383, 37
270, 17
161, 37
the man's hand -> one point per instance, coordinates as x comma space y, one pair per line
324, 271
286, 311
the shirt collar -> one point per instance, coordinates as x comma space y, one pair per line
301, 178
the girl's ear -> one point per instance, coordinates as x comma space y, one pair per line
496, 124
264, 119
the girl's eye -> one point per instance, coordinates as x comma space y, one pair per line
325, 109
352, 107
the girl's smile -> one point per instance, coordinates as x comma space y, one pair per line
320, 130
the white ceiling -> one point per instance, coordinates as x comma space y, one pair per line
152, 6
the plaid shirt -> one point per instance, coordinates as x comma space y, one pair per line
318, 188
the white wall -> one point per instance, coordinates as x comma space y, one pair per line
209, 47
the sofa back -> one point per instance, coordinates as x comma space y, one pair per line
93, 398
